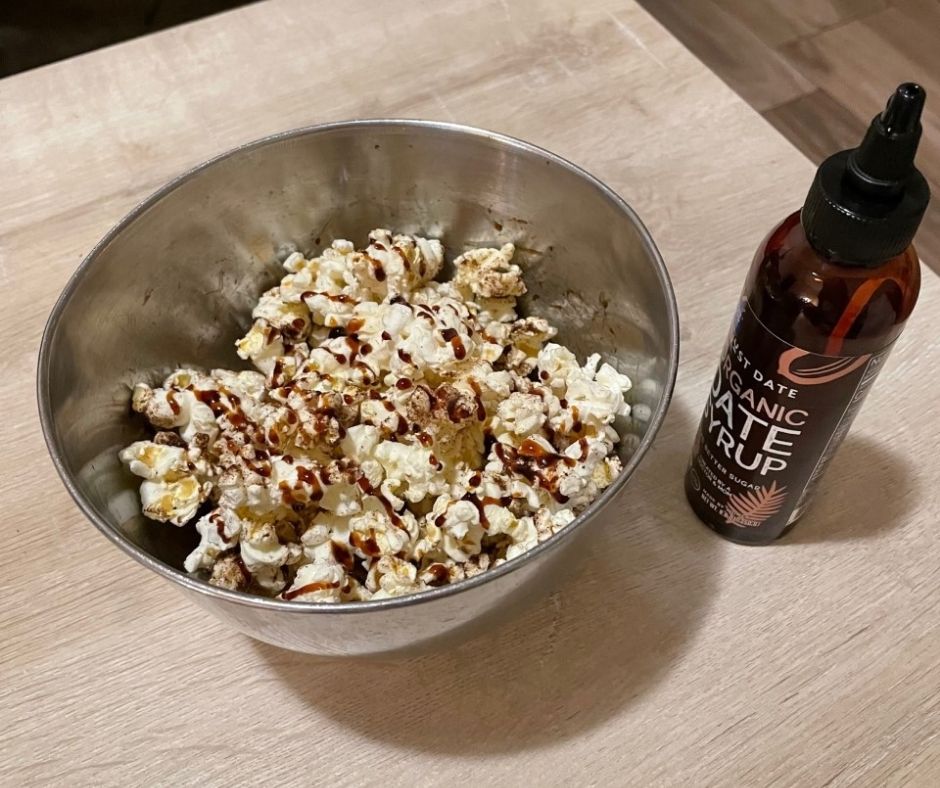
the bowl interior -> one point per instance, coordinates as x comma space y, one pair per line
175, 282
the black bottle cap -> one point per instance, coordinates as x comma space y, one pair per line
866, 204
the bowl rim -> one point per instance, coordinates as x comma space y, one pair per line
425, 597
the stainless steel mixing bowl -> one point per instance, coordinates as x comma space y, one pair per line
174, 284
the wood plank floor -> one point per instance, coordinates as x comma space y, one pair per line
819, 70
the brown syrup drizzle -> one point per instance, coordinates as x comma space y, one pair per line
174, 405
339, 298
365, 544
450, 335
440, 575
377, 270
481, 505
576, 425
481, 410
404, 258
532, 462
319, 585
342, 555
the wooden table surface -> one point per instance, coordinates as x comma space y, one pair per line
672, 657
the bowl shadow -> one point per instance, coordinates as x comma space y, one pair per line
867, 492
604, 635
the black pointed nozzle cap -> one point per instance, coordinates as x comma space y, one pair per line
866, 204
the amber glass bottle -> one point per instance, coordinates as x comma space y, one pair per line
827, 295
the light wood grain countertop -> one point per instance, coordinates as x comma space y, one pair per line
673, 657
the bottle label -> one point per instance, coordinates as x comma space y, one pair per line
775, 416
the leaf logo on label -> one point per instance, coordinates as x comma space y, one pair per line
751, 508
825, 369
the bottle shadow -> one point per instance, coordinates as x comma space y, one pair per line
868, 491
607, 634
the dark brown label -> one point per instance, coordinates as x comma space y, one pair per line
775, 416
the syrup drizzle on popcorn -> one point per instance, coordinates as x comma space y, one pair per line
400, 433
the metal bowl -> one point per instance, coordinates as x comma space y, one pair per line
174, 284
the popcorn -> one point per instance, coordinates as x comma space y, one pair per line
154, 461
399, 433
489, 273
174, 502
391, 576
216, 535
319, 581
260, 547
521, 414
411, 470
463, 532
262, 345
169, 492
372, 534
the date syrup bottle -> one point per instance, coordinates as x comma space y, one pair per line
827, 295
